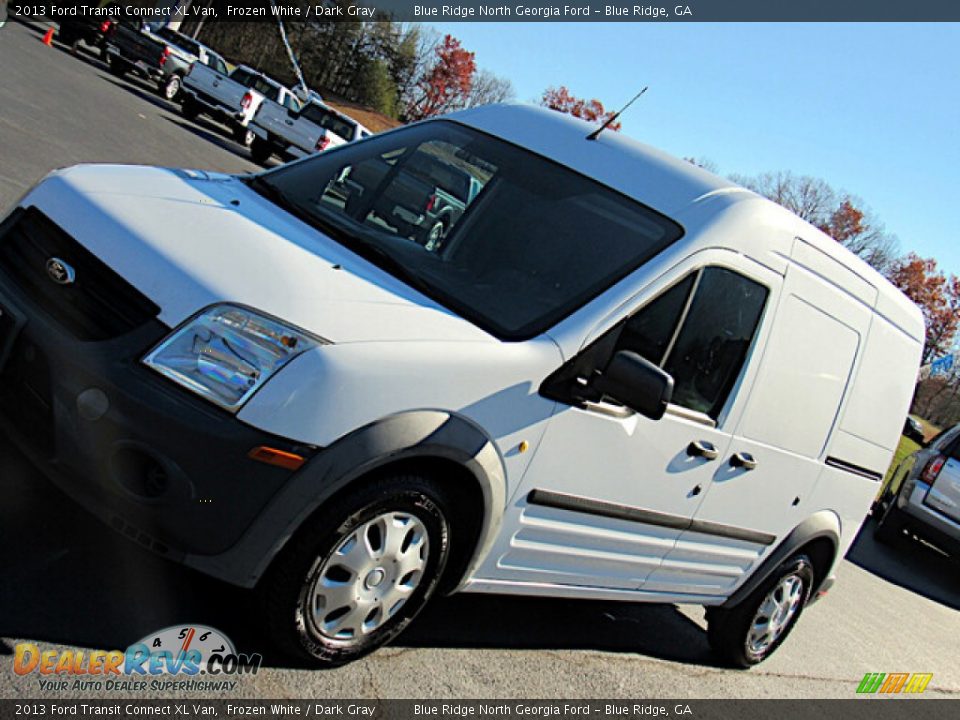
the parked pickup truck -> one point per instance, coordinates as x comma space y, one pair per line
92, 30
235, 98
292, 134
162, 55
621, 378
426, 197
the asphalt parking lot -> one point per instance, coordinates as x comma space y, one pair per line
67, 581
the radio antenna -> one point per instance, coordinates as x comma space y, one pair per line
610, 120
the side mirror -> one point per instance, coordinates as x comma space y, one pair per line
637, 383
292, 114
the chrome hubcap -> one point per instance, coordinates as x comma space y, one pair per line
372, 573
774, 614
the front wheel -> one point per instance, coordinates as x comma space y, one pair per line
360, 573
751, 631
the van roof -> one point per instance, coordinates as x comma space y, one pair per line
670, 185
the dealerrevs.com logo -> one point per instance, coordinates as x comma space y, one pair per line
181, 657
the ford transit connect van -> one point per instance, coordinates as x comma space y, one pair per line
618, 377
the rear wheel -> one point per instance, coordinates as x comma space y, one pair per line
433, 237
360, 573
117, 66
751, 631
245, 136
170, 88
890, 522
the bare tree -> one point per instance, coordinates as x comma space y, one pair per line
808, 197
489, 88
840, 215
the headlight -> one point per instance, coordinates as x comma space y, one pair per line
226, 353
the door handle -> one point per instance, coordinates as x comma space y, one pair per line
743, 460
704, 449
289, 122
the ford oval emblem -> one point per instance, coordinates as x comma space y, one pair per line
60, 272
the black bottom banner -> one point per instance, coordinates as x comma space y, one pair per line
859, 709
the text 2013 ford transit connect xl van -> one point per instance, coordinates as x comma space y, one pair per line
613, 376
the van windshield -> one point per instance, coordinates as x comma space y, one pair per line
507, 239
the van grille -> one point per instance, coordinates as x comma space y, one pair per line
98, 305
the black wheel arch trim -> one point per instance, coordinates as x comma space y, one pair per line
823, 524
432, 434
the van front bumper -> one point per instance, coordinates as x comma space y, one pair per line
153, 461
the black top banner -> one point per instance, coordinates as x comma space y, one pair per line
292, 11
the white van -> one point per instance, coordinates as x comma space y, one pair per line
617, 377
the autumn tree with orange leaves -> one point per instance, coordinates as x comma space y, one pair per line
937, 296
446, 84
593, 111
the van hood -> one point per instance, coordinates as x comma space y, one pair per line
189, 239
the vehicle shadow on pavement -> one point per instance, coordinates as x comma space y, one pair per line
206, 130
200, 127
910, 564
132, 85
528, 623
67, 579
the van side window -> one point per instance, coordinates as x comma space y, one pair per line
703, 340
649, 332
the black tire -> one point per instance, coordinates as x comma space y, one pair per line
245, 137
728, 628
189, 109
171, 87
891, 522
117, 66
260, 151
286, 592
432, 237
67, 37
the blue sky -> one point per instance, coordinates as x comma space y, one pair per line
873, 109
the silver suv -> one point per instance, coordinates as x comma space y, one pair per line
924, 495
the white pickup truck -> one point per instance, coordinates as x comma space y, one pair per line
619, 377
233, 99
293, 134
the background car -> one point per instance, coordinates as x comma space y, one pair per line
913, 430
924, 495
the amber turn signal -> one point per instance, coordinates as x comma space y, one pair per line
279, 458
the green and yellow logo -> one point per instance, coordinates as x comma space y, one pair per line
892, 683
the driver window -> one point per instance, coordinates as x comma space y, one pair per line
699, 331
